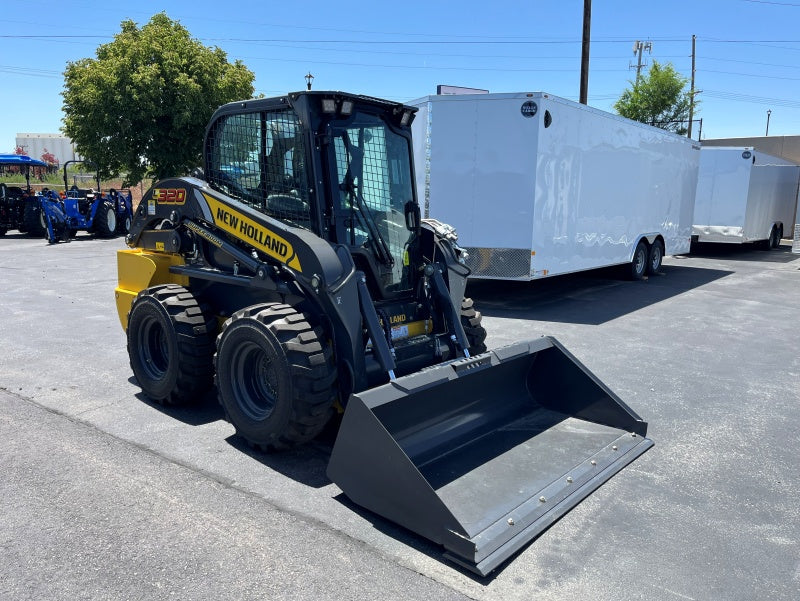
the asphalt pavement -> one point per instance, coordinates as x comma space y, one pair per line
104, 495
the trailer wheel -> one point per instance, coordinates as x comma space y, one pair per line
171, 344
105, 220
275, 376
655, 257
775, 238
471, 322
638, 266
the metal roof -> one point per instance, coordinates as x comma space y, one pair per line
20, 159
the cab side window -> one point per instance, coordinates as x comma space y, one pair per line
259, 159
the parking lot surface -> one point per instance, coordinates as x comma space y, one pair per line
106, 495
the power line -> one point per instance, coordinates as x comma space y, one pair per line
733, 60
775, 3
738, 74
454, 55
506, 40
735, 96
428, 67
29, 71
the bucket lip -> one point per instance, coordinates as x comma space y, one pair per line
482, 561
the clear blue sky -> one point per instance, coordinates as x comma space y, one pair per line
748, 51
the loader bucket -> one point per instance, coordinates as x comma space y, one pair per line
482, 455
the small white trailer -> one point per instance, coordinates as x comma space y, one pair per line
537, 186
744, 195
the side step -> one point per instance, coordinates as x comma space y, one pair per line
482, 455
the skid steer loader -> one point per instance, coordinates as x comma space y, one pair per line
295, 273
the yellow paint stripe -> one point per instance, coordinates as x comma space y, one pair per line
244, 228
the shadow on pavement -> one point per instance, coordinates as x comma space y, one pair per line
15, 235
205, 411
305, 464
591, 297
743, 252
422, 544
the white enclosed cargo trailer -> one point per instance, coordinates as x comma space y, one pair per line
744, 195
796, 239
538, 186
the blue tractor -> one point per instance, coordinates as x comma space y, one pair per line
87, 210
20, 208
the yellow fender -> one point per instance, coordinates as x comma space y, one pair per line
139, 269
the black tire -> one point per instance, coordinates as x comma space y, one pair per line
769, 243
471, 321
33, 219
276, 377
171, 344
124, 225
3, 231
638, 265
775, 238
655, 257
104, 223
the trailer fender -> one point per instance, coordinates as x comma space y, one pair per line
648, 240
138, 270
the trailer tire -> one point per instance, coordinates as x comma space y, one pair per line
638, 265
775, 238
471, 322
104, 223
276, 377
655, 257
171, 344
33, 219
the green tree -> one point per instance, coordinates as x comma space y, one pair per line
142, 105
658, 98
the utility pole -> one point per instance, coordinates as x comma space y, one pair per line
691, 91
587, 28
638, 48
769, 112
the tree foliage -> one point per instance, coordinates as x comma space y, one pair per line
142, 105
658, 98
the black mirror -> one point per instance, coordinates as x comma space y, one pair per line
413, 216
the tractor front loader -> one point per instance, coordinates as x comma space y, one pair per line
296, 274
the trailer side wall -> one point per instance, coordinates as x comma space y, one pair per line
742, 193
538, 186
